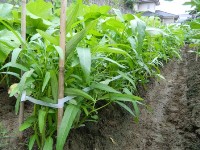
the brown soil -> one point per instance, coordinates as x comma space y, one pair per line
172, 123
8, 122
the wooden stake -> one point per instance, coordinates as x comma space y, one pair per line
62, 61
23, 34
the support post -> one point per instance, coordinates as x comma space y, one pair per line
23, 34
62, 61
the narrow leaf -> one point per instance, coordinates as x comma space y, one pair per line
119, 14
41, 120
13, 31
85, 61
31, 142
60, 52
110, 60
121, 97
11, 73
104, 87
71, 18
15, 65
22, 84
106, 49
15, 54
48, 144
46, 80
126, 108
77, 92
73, 42
66, 124
25, 125
127, 78
137, 111
48, 37
160, 76
54, 85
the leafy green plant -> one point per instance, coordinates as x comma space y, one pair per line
108, 55
194, 34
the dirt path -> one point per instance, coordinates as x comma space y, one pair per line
172, 124
161, 129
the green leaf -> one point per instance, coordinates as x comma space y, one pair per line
31, 142
115, 25
8, 42
126, 107
22, 84
85, 61
126, 90
106, 49
85, 110
160, 76
133, 45
24, 126
119, 14
15, 54
40, 8
48, 37
60, 52
41, 120
77, 92
17, 104
92, 15
121, 97
48, 144
14, 90
127, 78
35, 22
110, 60
104, 87
74, 41
54, 85
137, 111
71, 18
195, 25
6, 11
66, 124
15, 65
46, 80
15, 33
155, 31
138, 28
27, 123
11, 73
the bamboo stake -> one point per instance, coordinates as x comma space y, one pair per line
23, 34
62, 61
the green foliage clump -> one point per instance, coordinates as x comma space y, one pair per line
108, 55
193, 35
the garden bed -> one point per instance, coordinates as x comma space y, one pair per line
171, 122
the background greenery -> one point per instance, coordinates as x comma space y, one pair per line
108, 56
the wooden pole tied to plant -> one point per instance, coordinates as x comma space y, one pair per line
23, 34
62, 61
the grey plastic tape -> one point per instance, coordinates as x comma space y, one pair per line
60, 103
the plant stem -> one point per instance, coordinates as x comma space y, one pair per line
23, 33
62, 61
3, 78
83, 120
